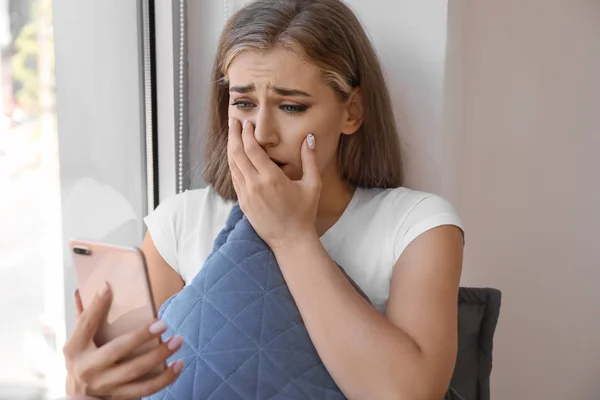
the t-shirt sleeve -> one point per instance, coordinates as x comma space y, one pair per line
165, 224
428, 212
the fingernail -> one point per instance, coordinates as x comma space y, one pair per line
76, 293
176, 366
158, 327
310, 139
175, 342
230, 122
104, 290
246, 124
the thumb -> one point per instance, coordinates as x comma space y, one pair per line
310, 168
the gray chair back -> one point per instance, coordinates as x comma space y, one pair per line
478, 312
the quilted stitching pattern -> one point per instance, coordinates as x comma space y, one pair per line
243, 334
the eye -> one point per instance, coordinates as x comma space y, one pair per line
293, 109
242, 105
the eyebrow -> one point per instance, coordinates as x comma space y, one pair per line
279, 90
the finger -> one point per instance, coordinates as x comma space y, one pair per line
152, 385
78, 304
310, 167
236, 152
256, 154
236, 175
90, 320
237, 189
140, 366
124, 345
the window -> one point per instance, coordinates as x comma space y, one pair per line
31, 269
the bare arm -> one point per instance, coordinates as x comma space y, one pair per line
407, 354
164, 281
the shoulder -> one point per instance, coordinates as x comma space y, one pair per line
182, 216
408, 213
206, 197
402, 203
188, 207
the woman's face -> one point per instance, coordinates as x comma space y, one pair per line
287, 99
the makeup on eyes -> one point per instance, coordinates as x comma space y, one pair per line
246, 105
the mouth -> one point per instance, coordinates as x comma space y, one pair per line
278, 163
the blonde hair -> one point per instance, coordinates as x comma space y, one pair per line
328, 35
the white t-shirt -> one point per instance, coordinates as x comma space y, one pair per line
366, 241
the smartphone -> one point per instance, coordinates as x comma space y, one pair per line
124, 269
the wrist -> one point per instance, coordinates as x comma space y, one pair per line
304, 243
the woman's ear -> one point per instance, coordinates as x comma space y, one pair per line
353, 115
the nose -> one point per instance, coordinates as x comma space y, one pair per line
265, 129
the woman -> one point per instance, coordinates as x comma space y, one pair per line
303, 136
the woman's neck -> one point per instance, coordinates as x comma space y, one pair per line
335, 197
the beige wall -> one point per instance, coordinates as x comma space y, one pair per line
529, 186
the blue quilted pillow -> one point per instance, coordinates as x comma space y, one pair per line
243, 334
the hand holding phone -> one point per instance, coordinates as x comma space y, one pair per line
115, 349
